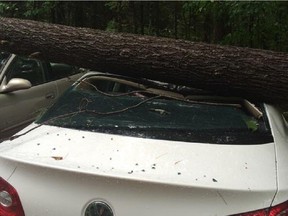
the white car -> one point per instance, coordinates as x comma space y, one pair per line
28, 87
117, 146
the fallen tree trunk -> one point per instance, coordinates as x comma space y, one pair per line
250, 73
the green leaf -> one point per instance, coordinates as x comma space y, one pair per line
252, 124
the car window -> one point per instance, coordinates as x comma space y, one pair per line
3, 58
29, 69
59, 71
122, 107
283, 108
285, 117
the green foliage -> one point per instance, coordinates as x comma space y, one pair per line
257, 24
111, 26
252, 124
37, 9
9, 8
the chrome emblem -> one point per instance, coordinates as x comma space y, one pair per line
98, 208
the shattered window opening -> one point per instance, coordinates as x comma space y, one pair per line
119, 106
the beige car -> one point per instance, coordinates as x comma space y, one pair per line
27, 88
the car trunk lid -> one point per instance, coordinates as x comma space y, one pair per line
147, 173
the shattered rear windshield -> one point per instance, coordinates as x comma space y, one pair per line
117, 106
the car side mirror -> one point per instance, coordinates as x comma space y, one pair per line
16, 84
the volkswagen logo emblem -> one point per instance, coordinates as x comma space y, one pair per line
98, 208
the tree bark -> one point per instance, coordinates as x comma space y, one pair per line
226, 70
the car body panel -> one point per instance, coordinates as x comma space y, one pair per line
68, 193
20, 108
60, 171
280, 132
64, 83
7, 168
165, 176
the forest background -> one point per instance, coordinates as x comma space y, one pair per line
255, 24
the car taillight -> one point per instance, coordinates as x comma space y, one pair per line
10, 204
278, 210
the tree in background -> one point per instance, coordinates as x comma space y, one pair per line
261, 25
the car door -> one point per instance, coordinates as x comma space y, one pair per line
19, 108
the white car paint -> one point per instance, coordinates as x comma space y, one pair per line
186, 177
60, 171
280, 132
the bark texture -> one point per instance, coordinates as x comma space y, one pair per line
250, 73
